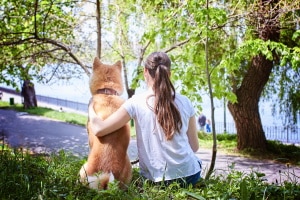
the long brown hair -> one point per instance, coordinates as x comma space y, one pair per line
168, 116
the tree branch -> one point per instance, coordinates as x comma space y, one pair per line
35, 23
68, 50
49, 41
176, 45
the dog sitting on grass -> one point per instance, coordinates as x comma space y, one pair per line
107, 160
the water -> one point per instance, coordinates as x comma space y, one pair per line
78, 90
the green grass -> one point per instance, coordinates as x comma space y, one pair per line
26, 176
73, 118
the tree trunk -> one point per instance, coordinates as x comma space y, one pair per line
245, 112
28, 94
99, 28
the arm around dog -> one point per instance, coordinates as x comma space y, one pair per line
103, 127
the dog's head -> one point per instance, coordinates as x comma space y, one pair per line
106, 76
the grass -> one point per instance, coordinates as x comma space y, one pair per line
26, 176
73, 118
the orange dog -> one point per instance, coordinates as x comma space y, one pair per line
108, 159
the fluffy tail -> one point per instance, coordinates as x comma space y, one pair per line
97, 181
100, 181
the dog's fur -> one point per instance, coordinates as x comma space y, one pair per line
108, 159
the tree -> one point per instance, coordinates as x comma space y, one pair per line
37, 34
28, 94
40, 39
127, 37
267, 20
247, 44
229, 63
47, 44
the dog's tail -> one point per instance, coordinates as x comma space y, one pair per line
100, 181
97, 181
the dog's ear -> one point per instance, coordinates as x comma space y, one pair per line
118, 64
96, 63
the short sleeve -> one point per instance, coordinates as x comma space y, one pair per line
185, 105
192, 109
129, 107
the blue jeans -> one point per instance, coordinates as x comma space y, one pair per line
184, 181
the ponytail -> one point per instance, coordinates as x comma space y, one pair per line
167, 113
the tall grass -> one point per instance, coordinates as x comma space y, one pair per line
25, 176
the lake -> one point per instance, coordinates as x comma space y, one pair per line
78, 91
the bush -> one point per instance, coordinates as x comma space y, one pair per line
226, 137
283, 152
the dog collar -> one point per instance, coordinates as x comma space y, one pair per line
107, 91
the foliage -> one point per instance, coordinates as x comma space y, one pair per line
238, 185
284, 153
36, 34
56, 177
186, 22
226, 137
237, 32
290, 100
37, 176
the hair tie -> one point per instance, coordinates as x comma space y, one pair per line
162, 66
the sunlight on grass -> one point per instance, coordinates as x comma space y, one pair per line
56, 177
72, 118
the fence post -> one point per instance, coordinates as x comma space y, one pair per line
287, 134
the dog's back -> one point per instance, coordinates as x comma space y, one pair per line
108, 159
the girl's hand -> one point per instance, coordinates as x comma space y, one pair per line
91, 112
101, 127
94, 120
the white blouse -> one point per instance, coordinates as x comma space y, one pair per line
161, 159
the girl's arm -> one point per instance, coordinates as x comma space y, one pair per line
192, 134
103, 127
